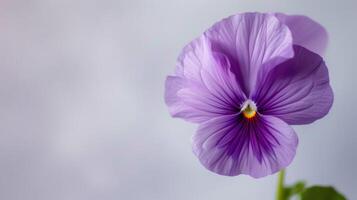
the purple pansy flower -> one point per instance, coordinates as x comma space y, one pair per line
245, 80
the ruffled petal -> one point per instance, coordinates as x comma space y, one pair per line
306, 32
232, 145
203, 86
298, 90
249, 40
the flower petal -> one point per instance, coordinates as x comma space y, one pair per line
306, 32
232, 145
249, 40
203, 86
298, 90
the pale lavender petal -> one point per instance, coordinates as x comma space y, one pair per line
306, 32
249, 40
298, 90
231, 145
203, 86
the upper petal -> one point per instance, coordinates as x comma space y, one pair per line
249, 40
203, 86
298, 90
306, 32
232, 145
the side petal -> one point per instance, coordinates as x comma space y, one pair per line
306, 32
176, 105
249, 40
298, 90
232, 145
203, 86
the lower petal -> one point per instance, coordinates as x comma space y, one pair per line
231, 145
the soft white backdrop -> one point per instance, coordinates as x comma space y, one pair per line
82, 115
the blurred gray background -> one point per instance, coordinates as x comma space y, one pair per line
82, 115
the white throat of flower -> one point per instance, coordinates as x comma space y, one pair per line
249, 109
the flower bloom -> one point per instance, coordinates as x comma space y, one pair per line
244, 81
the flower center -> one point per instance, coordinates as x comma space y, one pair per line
249, 109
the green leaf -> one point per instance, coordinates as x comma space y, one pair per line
295, 189
321, 193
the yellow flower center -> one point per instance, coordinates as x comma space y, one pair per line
249, 113
249, 109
